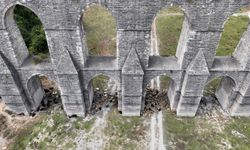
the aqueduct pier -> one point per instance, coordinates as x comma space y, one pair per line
194, 65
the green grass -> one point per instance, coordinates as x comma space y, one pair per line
124, 132
168, 29
100, 82
84, 126
40, 57
164, 82
200, 133
233, 31
53, 134
100, 28
212, 86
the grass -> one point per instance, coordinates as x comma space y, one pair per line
233, 31
40, 57
124, 132
84, 126
168, 30
100, 28
100, 82
200, 133
211, 87
53, 133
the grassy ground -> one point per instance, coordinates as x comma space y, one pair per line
47, 132
234, 29
125, 132
206, 132
100, 28
55, 131
100, 82
168, 30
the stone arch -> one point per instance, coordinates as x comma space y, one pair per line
89, 89
174, 76
149, 79
107, 46
109, 9
173, 89
164, 47
225, 92
11, 6
102, 74
92, 76
35, 88
181, 7
17, 40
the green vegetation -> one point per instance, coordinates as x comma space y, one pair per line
168, 28
233, 31
165, 80
54, 131
211, 87
87, 125
205, 133
100, 28
124, 132
100, 82
32, 30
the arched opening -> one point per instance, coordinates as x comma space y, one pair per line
218, 93
102, 92
234, 29
27, 34
100, 31
158, 94
44, 92
166, 31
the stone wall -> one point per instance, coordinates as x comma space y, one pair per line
193, 67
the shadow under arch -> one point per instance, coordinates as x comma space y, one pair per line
99, 85
161, 89
43, 91
99, 29
222, 89
25, 43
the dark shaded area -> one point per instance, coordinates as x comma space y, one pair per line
155, 101
102, 100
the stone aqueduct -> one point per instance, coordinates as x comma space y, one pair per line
194, 65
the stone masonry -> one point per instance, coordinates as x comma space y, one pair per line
194, 65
